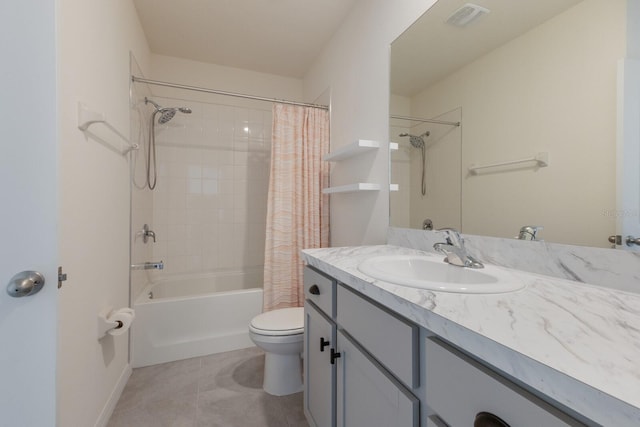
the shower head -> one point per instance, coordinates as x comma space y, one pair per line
417, 141
166, 113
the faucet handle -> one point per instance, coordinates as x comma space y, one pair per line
452, 236
146, 233
529, 232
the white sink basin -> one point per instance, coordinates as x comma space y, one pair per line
428, 272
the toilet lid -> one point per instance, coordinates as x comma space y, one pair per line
284, 321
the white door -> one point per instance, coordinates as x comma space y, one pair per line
28, 211
628, 167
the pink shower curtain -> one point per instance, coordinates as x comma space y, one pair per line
297, 211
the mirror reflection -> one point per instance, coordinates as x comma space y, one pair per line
532, 84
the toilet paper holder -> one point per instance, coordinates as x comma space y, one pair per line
106, 323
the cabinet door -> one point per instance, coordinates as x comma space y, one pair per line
319, 373
366, 394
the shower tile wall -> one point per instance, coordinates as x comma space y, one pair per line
210, 203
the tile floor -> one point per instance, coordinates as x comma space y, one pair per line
221, 390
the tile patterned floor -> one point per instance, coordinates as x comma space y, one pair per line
221, 390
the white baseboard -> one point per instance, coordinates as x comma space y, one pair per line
103, 419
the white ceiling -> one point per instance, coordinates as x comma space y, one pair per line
280, 37
431, 49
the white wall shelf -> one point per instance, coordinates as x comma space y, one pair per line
352, 188
355, 148
394, 187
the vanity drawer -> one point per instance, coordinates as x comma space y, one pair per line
392, 341
321, 290
458, 389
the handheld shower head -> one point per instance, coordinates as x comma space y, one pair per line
417, 141
166, 113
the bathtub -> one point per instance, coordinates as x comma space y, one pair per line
189, 316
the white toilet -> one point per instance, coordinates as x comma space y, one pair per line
280, 334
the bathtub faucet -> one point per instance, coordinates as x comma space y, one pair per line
148, 266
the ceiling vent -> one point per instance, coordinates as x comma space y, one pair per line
467, 13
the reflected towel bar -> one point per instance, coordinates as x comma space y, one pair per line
541, 159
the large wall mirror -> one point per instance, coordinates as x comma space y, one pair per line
520, 118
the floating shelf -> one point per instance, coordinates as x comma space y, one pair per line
394, 187
393, 146
352, 188
358, 147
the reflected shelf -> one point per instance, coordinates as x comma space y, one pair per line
352, 188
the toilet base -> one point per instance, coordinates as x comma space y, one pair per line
282, 374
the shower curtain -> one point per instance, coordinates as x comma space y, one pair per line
297, 211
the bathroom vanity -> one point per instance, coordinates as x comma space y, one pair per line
554, 353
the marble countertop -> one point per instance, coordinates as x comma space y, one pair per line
576, 343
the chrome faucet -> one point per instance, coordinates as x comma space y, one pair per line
454, 250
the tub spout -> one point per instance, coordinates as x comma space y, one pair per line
148, 266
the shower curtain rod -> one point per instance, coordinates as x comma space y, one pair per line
221, 92
417, 119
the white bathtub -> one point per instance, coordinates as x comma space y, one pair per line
192, 316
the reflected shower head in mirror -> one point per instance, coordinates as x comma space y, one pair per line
166, 113
417, 141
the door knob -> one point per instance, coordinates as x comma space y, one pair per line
25, 283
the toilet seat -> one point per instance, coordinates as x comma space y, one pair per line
284, 321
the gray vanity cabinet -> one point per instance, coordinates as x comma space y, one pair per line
367, 395
360, 361
319, 342
368, 366
319, 372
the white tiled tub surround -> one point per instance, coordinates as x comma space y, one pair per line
617, 269
577, 344
210, 204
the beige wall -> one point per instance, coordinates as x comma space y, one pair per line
355, 68
517, 101
94, 40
